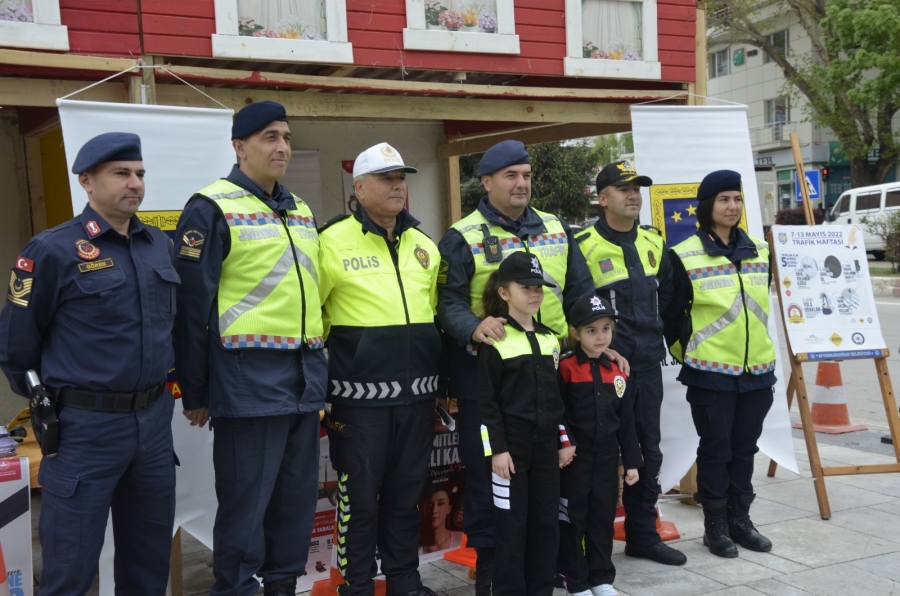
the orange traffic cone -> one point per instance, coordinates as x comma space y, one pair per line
666, 530
829, 406
464, 555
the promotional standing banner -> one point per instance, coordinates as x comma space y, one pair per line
677, 146
15, 528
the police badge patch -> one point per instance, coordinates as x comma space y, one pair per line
556, 357
86, 250
619, 382
422, 256
19, 290
652, 258
443, 270
191, 245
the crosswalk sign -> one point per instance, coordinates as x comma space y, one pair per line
813, 183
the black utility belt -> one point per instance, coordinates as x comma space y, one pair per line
118, 403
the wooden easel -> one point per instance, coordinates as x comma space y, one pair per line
797, 384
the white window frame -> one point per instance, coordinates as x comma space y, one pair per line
45, 33
713, 72
576, 65
226, 43
417, 37
771, 39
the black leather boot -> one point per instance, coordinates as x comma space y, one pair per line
715, 534
484, 571
740, 527
282, 587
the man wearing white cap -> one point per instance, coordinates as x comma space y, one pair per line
378, 287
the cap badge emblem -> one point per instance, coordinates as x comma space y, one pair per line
625, 167
388, 151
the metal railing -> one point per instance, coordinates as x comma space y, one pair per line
775, 132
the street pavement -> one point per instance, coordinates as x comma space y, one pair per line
856, 552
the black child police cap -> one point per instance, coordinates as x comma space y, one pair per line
588, 309
523, 268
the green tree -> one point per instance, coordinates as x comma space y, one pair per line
610, 148
562, 177
851, 81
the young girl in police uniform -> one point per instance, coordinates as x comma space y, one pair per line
599, 405
523, 431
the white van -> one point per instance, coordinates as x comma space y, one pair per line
866, 201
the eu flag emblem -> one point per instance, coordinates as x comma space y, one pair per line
674, 211
606, 265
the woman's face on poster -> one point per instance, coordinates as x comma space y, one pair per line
439, 503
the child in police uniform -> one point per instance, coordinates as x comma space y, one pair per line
600, 415
522, 429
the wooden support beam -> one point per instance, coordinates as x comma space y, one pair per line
454, 205
43, 92
377, 107
148, 79
544, 134
36, 184
339, 82
66, 61
700, 56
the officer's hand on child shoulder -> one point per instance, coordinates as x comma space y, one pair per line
566, 455
489, 330
197, 417
631, 476
502, 465
620, 362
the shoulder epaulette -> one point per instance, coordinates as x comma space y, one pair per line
582, 237
652, 229
332, 221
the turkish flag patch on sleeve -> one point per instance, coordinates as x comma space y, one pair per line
25, 264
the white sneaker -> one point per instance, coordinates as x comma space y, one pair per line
585, 593
604, 590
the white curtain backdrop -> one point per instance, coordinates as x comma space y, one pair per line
275, 14
613, 26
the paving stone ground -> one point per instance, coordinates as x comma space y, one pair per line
856, 552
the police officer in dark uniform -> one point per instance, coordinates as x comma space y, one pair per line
90, 307
631, 269
248, 351
470, 251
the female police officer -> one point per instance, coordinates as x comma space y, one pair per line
717, 329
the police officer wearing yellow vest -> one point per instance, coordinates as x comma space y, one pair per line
717, 327
378, 290
249, 353
631, 269
471, 250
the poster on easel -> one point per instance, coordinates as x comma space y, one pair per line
826, 292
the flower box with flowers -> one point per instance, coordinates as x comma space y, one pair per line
433, 11
451, 20
487, 20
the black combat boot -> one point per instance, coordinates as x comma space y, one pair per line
281, 587
715, 534
740, 527
484, 571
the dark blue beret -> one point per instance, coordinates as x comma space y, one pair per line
110, 146
502, 155
718, 181
255, 116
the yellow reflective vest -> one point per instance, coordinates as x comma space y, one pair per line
730, 311
268, 294
379, 300
551, 247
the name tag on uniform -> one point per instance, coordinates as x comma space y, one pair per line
95, 265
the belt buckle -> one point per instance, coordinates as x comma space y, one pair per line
141, 400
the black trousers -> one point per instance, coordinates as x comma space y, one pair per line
589, 489
381, 456
729, 425
640, 498
478, 515
526, 527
